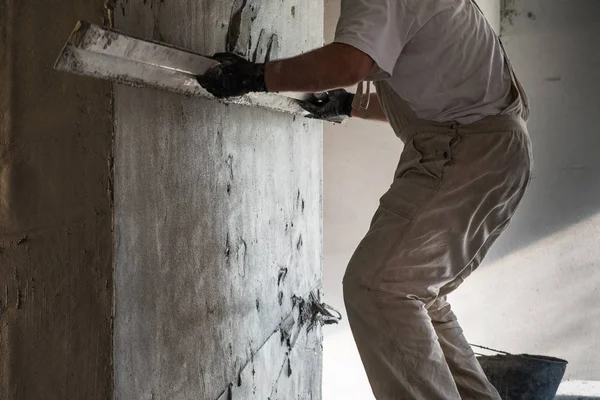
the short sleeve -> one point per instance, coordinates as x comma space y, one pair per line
378, 28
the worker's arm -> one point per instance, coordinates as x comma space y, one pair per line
333, 66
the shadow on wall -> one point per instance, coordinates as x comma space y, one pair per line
551, 44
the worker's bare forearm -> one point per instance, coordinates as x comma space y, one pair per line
374, 112
333, 66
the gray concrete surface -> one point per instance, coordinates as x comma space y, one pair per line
217, 219
55, 211
538, 291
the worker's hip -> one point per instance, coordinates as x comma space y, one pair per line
454, 191
490, 124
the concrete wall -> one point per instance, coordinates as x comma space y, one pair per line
217, 219
538, 290
55, 210
217, 216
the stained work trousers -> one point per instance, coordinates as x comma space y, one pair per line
455, 190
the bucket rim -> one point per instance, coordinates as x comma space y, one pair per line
530, 357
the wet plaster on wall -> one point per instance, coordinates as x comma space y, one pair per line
55, 211
217, 216
267, 374
243, 24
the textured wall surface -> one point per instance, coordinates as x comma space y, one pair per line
217, 219
55, 210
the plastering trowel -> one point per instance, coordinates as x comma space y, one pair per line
100, 52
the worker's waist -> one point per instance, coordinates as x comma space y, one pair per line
490, 124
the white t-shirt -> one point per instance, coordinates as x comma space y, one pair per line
441, 56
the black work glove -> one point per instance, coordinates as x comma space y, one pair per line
234, 76
332, 106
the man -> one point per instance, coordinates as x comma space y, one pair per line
446, 87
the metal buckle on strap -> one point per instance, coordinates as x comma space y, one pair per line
362, 98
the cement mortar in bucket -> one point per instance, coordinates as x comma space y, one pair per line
523, 376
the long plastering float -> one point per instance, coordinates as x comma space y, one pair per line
105, 53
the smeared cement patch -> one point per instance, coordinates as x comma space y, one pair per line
210, 203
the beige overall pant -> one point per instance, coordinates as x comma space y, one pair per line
454, 191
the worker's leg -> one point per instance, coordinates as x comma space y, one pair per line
467, 373
432, 223
396, 342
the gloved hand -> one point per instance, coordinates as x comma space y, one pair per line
234, 76
332, 106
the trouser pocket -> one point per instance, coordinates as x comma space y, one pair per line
420, 172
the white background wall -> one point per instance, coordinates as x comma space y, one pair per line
539, 290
